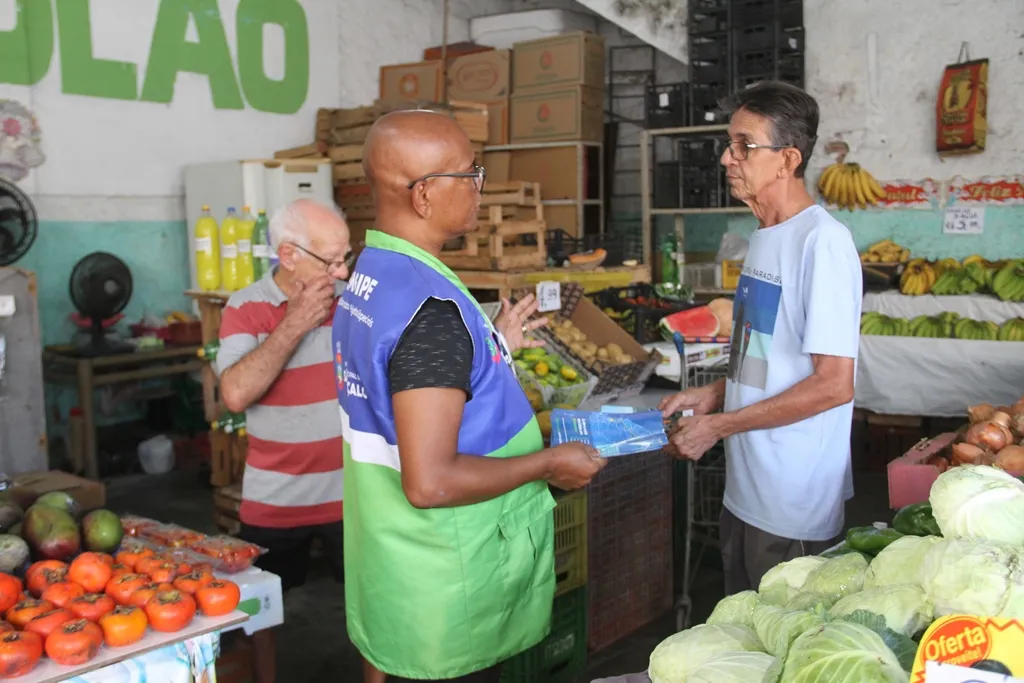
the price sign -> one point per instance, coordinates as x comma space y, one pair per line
549, 296
966, 220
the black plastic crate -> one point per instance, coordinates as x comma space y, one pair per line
666, 185
704, 101
786, 13
702, 24
766, 62
794, 75
667, 105
698, 151
703, 6
709, 72
709, 48
639, 318
767, 37
619, 247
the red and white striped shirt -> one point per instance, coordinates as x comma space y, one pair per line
293, 470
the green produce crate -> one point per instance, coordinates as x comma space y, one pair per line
570, 542
563, 654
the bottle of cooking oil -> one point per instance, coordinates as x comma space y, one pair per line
261, 246
229, 251
207, 246
246, 224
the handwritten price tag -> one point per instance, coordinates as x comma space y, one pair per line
549, 296
964, 221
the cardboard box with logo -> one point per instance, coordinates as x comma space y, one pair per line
484, 77
410, 82
575, 113
561, 61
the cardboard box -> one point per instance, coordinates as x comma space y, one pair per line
411, 82
576, 113
454, 51
498, 122
555, 168
91, 495
497, 165
480, 77
564, 60
911, 477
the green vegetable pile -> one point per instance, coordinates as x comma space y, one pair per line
855, 614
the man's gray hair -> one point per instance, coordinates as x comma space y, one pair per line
290, 223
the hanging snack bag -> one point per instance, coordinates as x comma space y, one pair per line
962, 109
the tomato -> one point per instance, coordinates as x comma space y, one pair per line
124, 626
120, 588
10, 591
143, 595
192, 582
19, 653
91, 606
48, 622
60, 594
170, 611
54, 571
74, 643
91, 571
130, 557
27, 610
118, 569
218, 598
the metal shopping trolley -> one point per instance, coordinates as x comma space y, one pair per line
705, 486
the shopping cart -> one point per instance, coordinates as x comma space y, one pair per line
705, 487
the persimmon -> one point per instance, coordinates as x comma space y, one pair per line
145, 593
19, 653
105, 558
218, 598
26, 610
60, 594
91, 606
168, 572
48, 622
118, 569
193, 581
147, 565
6, 627
121, 587
37, 567
44, 577
74, 642
130, 557
91, 571
170, 611
124, 626
10, 591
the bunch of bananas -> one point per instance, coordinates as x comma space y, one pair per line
1008, 282
976, 330
1011, 330
849, 186
875, 323
933, 326
885, 251
946, 325
959, 281
918, 277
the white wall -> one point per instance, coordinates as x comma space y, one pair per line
882, 100
109, 159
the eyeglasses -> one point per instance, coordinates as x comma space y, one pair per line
740, 150
347, 262
478, 174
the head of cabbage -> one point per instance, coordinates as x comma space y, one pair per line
679, 654
837, 577
778, 627
905, 607
901, 562
980, 502
841, 652
964, 576
733, 667
783, 581
735, 609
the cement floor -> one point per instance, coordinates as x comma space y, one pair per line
309, 647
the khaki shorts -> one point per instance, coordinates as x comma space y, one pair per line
748, 552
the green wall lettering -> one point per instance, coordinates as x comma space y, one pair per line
170, 53
265, 94
81, 73
26, 50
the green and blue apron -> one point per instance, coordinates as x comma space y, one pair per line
440, 593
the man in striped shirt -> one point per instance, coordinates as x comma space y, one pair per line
275, 364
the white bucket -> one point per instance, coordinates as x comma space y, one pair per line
156, 455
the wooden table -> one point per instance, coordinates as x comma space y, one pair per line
62, 365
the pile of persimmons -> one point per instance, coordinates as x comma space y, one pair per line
69, 611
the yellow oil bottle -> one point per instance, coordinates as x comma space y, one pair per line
229, 251
207, 246
246, 225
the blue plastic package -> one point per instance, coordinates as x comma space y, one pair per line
611, 434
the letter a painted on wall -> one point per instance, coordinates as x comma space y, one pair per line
26, 49
286, 95
170, 53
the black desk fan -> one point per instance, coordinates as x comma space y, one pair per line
19, 224
100, 286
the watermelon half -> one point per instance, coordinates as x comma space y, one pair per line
694, 322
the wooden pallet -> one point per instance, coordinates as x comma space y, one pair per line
227, 500
486, 247
316, 150
227, 457
512, 193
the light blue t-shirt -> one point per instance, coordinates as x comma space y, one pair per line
799, 294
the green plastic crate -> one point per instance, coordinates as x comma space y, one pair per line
563, 654
570, 542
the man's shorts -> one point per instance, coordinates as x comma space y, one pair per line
288, 550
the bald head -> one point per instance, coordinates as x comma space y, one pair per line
405, 145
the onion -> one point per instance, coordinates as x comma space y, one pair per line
1017, 424
1000, 418
966, 453
980, 412
989, 435
1011, 459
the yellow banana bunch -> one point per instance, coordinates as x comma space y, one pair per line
849, 186
945, 265
885, 251
917, 278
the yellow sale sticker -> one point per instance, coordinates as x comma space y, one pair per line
994, 646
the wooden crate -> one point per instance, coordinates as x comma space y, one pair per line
211, 306
227, 500
486, 247
315, 150
473, 119
227, 457
888, 437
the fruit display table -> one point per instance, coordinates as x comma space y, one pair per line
976, 306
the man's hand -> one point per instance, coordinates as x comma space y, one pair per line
310, 305
513, 323
692, 437
573, 465
702, 401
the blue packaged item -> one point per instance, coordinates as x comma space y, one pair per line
611, 434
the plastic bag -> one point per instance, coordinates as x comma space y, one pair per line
733, 247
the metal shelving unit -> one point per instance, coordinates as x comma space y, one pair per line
627, 107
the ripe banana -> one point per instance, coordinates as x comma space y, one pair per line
849, 186
885, 251
917, 278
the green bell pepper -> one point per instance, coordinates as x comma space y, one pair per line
871, 540
916, 520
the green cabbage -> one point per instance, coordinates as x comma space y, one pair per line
783, 581
811, 602
735, 609
733, 667
901, 562
778, 627
841, 652
980, 502
679, 654
837, 577
905, 608
969, 577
